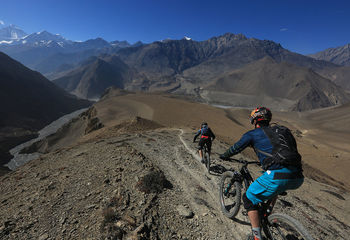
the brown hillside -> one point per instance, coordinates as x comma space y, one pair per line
312, 129
282, 86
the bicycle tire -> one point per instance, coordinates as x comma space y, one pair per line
282, 226
207, 161
230, 197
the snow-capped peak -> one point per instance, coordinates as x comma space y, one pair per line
11, 34
187, 38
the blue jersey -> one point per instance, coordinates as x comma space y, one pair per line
257, 139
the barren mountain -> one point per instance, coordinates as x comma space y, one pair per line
339, 75
281, 86
140, 178
98, 73
338, 55
203, 61
184, 66
28, 102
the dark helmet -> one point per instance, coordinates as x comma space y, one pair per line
260, 114
204, 124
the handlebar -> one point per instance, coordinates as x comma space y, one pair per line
243, 161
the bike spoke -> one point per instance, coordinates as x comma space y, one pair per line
284, 231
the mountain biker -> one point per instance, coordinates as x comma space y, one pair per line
278, 176
207, 136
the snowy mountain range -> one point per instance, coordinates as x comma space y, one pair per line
45, 52
11, 34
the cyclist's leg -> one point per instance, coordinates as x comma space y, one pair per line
257, 192
208, 142
200, 147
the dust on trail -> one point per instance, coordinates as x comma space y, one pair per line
190, 150
181, 164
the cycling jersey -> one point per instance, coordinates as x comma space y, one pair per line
205, 132
276, 179
257, 139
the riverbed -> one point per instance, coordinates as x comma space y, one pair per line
20, 159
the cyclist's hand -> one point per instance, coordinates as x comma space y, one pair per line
223, 157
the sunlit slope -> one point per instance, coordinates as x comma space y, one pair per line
320, 136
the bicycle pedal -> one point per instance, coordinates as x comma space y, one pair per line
244, 213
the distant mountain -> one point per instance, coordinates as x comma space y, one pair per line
28, 99
28, 102
205, 60
338, 55
184, 66
47, 52
282, 86
98, 73
45, 38
11, 34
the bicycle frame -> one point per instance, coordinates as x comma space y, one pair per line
244, 175
272, 224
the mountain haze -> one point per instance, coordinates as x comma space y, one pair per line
47, 52
28, 102
10, 34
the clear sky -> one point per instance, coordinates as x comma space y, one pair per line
304, 26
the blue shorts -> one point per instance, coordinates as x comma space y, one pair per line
265, 187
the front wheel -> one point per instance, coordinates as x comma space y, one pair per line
230, 195
281, 226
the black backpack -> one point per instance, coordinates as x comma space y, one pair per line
284, 150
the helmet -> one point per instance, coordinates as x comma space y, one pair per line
260, 114
204, 124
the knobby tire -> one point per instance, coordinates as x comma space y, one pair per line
282, 226
230, 201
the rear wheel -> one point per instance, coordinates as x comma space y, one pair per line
230, 195
207, 161
281, 226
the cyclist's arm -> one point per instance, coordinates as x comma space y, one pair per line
197, 134
239, 146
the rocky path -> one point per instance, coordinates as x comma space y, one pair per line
178, 158
197, 190
130, 183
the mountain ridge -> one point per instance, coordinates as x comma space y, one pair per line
29, 102
338, 55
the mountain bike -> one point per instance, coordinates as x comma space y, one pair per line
206, 156
274, 225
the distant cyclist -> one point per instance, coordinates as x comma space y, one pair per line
276, 149
207, 136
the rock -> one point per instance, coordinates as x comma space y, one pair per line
90, 206
44, 236
185, 212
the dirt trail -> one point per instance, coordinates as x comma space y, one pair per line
319, 207
93, 190
181, 164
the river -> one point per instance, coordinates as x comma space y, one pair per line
20, 159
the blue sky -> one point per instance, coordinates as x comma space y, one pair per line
304, 26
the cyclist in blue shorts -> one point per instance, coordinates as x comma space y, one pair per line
276, 149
